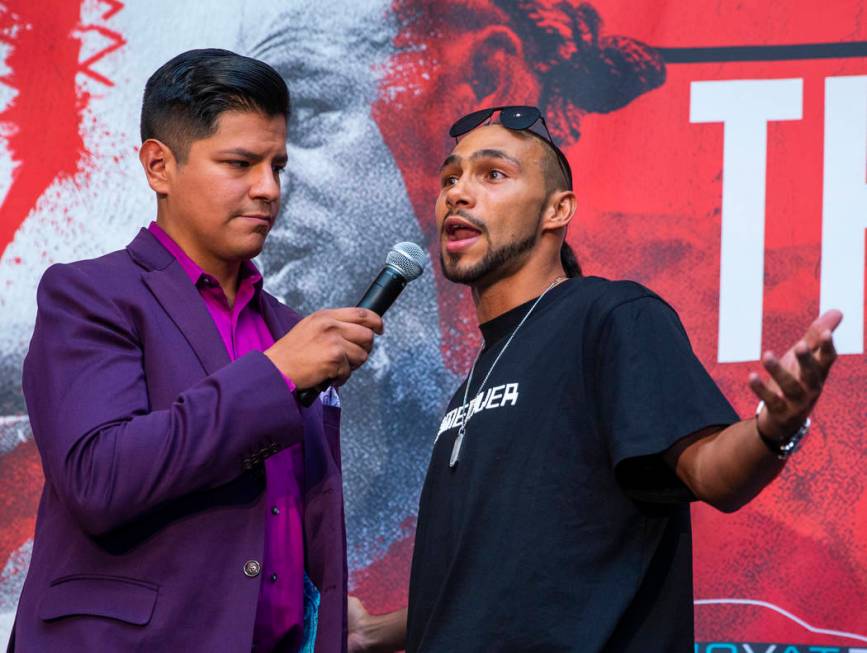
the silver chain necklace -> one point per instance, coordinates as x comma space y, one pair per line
462, 431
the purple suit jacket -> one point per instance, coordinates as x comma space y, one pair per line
152, 444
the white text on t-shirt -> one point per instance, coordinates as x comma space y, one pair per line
495, 397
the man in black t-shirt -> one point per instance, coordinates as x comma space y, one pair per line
555, 511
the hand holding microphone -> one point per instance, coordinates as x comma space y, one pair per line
327, 346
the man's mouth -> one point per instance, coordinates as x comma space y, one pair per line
459, 234
262, 217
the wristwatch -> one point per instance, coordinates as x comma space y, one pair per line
784, 448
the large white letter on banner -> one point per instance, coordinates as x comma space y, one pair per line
844, 207
745, 107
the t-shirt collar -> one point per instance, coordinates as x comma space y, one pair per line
502, 326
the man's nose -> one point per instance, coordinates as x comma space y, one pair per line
459, 194
266, 183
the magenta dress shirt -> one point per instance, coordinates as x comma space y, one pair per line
280, 611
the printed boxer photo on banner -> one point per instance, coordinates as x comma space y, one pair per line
375, 87
554, 55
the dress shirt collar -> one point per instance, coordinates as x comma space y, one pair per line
197, 275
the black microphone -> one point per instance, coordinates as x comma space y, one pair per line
404, 263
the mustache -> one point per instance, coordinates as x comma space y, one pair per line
469, 217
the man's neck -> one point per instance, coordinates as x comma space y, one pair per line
229, 280
227, 273
508, 292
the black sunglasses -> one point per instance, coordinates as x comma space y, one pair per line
514, 117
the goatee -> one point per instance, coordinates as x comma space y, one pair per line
494, 261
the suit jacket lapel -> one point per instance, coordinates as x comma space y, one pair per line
180, 299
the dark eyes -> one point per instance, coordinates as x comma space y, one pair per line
241, 164
493, 174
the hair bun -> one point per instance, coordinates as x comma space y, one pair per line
580, 70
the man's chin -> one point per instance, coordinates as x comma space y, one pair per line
249, 247
467, 274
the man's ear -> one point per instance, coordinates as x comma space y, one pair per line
560, 210
158, 163
499, 73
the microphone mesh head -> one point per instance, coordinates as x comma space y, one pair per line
408, 259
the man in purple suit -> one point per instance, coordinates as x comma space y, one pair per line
191, 502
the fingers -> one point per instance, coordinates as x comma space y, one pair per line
355, 608
773, 401
777, 419
813, 361
827, 352
356, 334
790, 386
799, 376
346, 358
827, 321
353, 612
356, 356
812, 375
793, 388
343, 371
830, 319
326, 345
356, 315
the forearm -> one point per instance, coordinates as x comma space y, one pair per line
123, 467
728, 468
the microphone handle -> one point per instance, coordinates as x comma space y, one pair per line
378, 297
381, 294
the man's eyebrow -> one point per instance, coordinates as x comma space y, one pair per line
495, 154
240, 151
253, 156
454, 159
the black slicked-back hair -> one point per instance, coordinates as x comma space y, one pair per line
184, 98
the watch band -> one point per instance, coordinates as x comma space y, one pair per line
784, 448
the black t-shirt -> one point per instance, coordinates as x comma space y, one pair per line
561, 528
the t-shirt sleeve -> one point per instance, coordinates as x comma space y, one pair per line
652, 391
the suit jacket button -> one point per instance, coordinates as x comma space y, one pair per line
252, 568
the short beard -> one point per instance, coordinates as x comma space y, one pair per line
494, 265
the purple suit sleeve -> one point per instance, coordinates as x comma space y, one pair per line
107, 455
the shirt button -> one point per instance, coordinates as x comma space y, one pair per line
275, 510
252, 568
273, 578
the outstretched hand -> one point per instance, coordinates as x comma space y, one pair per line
796, 379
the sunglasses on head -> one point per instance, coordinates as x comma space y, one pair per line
521, 118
